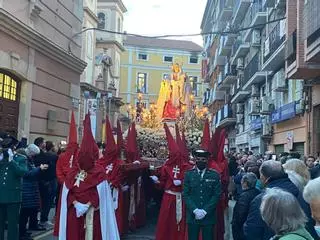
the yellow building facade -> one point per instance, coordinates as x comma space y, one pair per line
146, 62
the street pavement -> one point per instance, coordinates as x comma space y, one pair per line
148, 231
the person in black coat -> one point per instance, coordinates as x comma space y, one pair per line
241, 209
30, 191
45, 179
273, 175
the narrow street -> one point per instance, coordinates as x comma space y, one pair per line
145, 233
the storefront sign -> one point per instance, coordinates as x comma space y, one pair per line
256, 124
283, 113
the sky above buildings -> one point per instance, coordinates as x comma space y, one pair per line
160, 17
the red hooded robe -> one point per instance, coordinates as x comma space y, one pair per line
64, 165
218, 163
137, 212
171, 225
86, 184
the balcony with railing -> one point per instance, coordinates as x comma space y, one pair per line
291, 48
256, 17
216, 96
230, 73
312, 30
225, 10
239, 11
239, 49
224, 48
237, 93
274, 47
253, 73
225, 117
227, 77
259, 14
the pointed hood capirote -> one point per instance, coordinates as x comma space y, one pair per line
111, 150
132, 148
120, 141
89, 151
175, 155
205, 142
182, 144
214, 144
73, 136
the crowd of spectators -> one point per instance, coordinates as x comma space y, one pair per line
277, 196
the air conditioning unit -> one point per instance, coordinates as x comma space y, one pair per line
266, 126
240, 63
280, 81
240, 119
254, 107
256, 38
266, 47
240, 108
266, 105
266, 129
255, 91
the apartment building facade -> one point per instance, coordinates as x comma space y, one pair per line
261, 106
146, 62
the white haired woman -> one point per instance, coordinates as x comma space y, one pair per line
282, 213
311, 194
298, 172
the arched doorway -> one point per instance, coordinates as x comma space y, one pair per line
9, 103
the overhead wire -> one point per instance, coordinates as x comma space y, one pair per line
231, 31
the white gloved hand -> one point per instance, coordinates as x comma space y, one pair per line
177, 182
10, 153
81, 208
155, 179
136, 162
199, 214
124, 188
203, 214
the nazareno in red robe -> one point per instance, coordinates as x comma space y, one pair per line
167, 227
86, 184
219, 163
137, 205
86, 192
64, 165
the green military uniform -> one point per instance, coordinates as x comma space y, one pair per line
201, 190
11, 174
